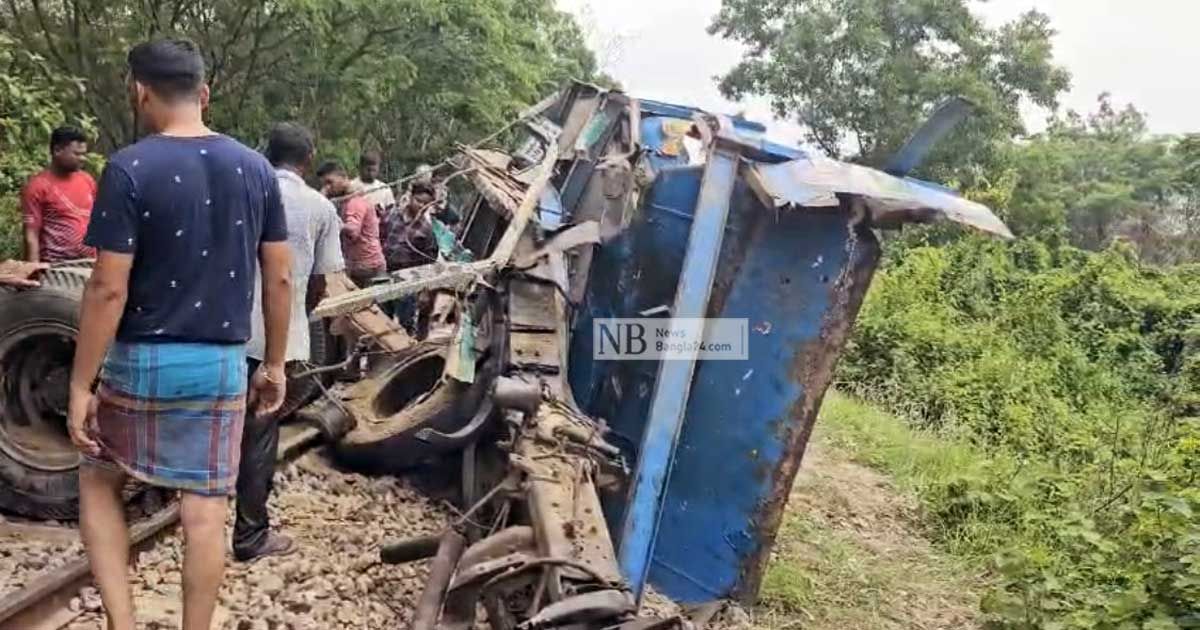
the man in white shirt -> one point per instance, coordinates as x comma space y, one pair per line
314, 236
377, 192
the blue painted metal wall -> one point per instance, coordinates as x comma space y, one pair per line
668, 406
636, 271
799, 278
743, 415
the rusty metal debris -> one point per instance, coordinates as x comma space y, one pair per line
608, 206
583, 480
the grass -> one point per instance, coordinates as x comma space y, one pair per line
854, 550
823, 578
927, 465
915, 459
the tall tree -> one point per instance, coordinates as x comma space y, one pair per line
1103, 176
407, 76
860, 75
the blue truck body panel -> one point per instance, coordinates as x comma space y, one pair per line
715, 445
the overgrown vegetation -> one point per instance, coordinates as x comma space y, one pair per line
29, 110
406, 77
851, 552
1059, 372
1074, 376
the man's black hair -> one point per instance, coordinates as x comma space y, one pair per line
65, 135
173, 68
330, 167
289, 144
422, 188
370, 157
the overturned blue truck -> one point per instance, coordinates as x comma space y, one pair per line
585, 480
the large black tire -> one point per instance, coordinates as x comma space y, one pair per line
395, 406
38, 469
50, 489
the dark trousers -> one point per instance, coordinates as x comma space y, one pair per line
256, 475
366, 277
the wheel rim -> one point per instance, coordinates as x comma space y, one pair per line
410, 384
35, 364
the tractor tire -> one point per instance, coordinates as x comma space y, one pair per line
38, 464
392, 408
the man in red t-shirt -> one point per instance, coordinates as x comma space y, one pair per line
361, 245
57, 202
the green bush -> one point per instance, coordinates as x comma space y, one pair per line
10, 227
1076, 374
29, 110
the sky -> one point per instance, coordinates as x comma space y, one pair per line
659, 49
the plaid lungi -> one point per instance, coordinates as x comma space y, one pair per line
170, 414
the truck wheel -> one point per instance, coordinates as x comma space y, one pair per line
38, 462
392, 408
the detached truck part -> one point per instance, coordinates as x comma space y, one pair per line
587, 479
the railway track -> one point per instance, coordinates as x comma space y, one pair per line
46, 601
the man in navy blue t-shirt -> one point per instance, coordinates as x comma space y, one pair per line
182, 220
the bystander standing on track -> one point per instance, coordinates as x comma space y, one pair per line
313, 233
182, 220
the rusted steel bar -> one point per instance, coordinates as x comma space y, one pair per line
50, 593
429, 607
410, 550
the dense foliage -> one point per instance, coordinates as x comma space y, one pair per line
1078, 373
29, 110
1093, 179
861, 74
409, 77
1070, 358
406, 77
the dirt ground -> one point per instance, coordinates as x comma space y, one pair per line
334, 582
851, 554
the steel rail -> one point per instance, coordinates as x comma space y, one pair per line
43, 603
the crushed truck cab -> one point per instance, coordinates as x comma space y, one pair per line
668, 472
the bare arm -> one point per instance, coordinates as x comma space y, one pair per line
100, 313
276, 261
268, 386
33, 252
31, 215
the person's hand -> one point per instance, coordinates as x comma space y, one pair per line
19, 273
81, 420
268, 387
